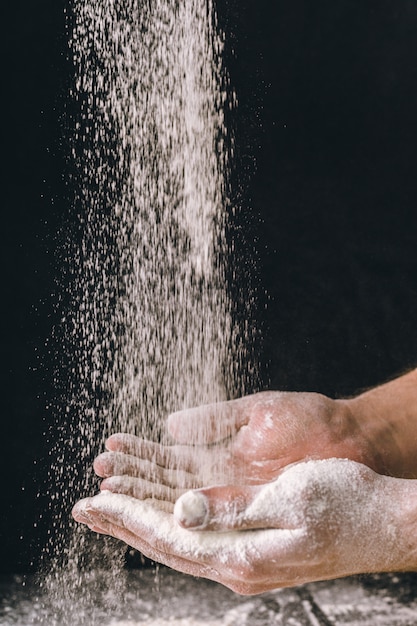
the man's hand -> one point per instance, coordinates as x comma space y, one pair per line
318, 520
245, 441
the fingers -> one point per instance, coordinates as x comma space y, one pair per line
98, 523
119, 464
164, 456
140, 488
187, 566
209, 423
242, 561
145, 528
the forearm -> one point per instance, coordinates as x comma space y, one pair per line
387, 418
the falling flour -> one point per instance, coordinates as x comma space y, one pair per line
149, 324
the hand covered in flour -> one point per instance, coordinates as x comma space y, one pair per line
270, 430
318, 520
248, 441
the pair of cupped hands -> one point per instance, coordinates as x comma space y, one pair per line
302, 501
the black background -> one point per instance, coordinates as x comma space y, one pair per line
325, 173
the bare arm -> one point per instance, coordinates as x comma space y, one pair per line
387, 418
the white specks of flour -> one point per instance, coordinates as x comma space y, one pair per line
149, 325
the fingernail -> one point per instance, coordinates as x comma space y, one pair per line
191, 510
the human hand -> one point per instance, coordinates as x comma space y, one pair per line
247, 441
318, 520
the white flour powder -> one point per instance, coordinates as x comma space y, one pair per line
335, 506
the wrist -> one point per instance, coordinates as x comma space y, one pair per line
380, 435
360, 431
386, 422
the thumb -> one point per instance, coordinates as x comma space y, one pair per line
209, 423
218, 508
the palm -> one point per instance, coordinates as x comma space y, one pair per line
243, 441
318, 520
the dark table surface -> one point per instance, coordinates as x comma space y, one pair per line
168, 598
